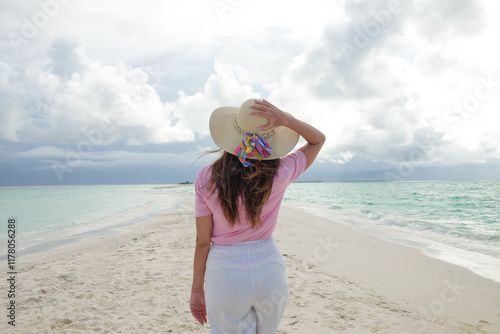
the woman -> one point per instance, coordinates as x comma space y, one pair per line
237, 202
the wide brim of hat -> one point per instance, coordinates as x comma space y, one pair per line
226, 137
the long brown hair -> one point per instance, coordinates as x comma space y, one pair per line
252, 184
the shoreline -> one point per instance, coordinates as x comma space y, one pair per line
426, 294
341, 279
50, 237
484, 265
82, 236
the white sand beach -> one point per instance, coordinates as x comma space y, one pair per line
341, 281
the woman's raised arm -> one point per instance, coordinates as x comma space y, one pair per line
315, 138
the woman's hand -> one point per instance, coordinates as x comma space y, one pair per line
315, 138
198, 309
275, 116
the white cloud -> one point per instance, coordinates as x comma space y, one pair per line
74, 96
391, 96
42, 152
222, 88
5, 75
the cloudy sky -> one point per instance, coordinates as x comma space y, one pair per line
107, 92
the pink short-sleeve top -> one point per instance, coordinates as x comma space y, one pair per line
291, 167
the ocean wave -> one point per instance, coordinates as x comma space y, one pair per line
458, 210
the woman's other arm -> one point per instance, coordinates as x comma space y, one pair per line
197, 302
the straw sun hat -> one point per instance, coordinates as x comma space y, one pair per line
236, 132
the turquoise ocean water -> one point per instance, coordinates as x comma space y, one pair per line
45, 214
458, 221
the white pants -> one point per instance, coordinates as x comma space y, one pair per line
246, 288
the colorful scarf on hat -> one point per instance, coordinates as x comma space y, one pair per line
253, 146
